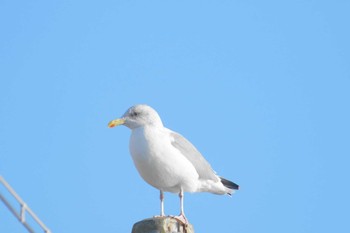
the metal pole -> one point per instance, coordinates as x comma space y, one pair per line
24, 208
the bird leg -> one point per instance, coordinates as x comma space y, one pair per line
181, 196
161, 196
182, 218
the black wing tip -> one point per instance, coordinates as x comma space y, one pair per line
229, 184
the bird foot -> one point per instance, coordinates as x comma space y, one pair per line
181, 218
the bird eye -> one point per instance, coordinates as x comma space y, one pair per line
134, 114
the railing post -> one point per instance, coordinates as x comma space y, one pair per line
23, 212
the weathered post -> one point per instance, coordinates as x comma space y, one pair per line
162, 225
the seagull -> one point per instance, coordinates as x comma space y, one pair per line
168, 161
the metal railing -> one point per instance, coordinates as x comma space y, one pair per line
21, 215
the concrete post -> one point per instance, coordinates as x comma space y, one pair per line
162, 225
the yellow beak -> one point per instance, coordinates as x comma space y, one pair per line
116, 122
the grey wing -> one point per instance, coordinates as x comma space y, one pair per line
186, 148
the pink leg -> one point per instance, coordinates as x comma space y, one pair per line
161, 203
182, 218
181, 196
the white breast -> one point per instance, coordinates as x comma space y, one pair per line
159, 163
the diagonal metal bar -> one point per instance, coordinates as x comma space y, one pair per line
24, 209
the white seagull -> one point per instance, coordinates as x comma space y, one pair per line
166, 160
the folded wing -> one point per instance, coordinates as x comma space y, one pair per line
188, 150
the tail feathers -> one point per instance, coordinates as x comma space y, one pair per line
229, 184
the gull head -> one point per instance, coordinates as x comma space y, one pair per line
138, 116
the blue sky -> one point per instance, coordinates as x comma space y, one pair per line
260, 87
